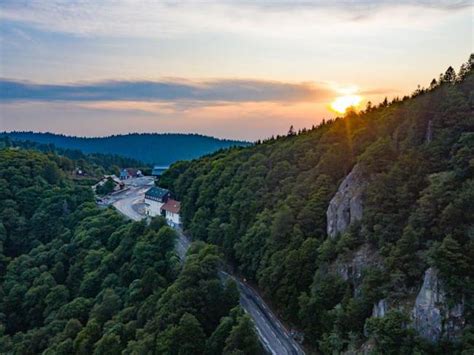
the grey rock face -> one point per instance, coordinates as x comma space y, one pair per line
431, 315
350, 268
380, 309
346, 206
429, 132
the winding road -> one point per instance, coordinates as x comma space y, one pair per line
271, 332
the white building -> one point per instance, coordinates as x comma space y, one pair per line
155, 198
171, 211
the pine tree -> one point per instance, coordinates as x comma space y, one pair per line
190, 335
449, 76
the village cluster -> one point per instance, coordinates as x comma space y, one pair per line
157, 200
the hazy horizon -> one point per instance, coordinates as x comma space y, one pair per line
121, 134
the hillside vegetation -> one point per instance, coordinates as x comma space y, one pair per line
412, 161
93, 165
77, 279
161, 149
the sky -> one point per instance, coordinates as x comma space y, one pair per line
231, 69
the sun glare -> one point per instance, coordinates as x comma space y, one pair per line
342, 103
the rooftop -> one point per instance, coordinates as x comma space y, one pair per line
130, 171
156, 192
172, 206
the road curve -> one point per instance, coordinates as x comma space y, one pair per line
271, 332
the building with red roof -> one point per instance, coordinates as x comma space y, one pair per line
170, 210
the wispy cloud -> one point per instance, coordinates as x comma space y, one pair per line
224, 90
153, 19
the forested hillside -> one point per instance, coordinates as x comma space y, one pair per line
77, 279
359, 231
93, 164
161, 149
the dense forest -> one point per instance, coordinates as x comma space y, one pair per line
79, 279
160, 149
92, 164
270, 209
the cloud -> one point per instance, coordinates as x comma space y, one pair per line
190, 92
151, 19
250, 120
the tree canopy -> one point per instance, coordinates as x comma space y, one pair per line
79, 279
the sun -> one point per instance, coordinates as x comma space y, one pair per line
342, 103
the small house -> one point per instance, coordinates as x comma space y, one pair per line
129, 173
170, 210
155, 198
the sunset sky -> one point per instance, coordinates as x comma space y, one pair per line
231, 69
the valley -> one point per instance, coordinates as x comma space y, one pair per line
274, 337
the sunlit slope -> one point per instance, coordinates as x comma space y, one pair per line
267, 207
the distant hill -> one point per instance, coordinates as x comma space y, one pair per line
161, 149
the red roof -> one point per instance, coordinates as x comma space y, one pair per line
171, 206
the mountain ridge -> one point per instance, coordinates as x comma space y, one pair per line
151, 148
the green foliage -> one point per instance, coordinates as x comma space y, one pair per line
77, 279
242, 338
392, 334
453, 263
217, 341
92, 165
106, 188
190, 335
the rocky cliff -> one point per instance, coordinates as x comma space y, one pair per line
432, 317
351, 266
346, 206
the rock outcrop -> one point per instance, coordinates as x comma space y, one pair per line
347, 204
350, 267
380, 309
429, 132
431, 315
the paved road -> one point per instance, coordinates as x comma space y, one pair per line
271, 332
182, 244
126, 200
